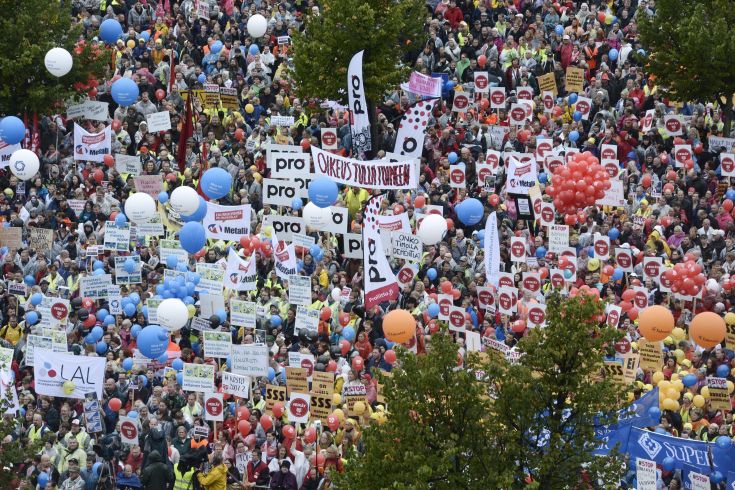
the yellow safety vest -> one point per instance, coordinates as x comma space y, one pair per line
183, 480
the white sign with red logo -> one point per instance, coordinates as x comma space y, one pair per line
674, 125
497, 98
532, 282
518, 249
571, 264
517, 114
624, 259
92, 147
214, 407
537, 315
482, 83
547, 98
129, 431
556, 276
609, 152
507, 299
602, 247
492, 158
640, 300
486, 298
524, 93
407, 274
329, 138
612, 167
727, 164
653, 267
461, 101
584, 105
613, 315
446, 301
544, 146
457, 176
553, 162
647, 121
682, 153
457, 319
547, 213
298, 407
505, 280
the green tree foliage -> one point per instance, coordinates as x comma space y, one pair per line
691, 46
496, 424
28, 30
13, 451
385, 29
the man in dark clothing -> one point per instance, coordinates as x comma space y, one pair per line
284, 479
156, 475
155, 442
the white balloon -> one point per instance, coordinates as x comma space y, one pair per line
432, 229
58, 62
336, 293
184, 200
257, 25
172, 314
24, 164
316, 217
140, 207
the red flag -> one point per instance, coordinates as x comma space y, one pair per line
36, 138
167, 6
172, 75
159, 10
187, 131
27, 139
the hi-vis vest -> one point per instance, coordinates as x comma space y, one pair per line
183, 480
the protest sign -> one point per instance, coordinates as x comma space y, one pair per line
129, 431
92, 147
298, 406
122, 276
242, 313
406, 246
651, 354
235, 384
198, 377
547, 82
150, 184
159, 121
558, 238
299, 290
574, 80
296, 379
217, 344
117, 238
306, 319
66, 375
274, 394
375, 174
95, 287
128, 164
41, 239
11, 237
250, 359
646, 474
718, 394
228, 98
214, 407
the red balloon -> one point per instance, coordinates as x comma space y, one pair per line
344, 319
310, 435
116, 125
446, 287
98, 175
266, 422
289, 432
277, 410
646, 181
390, 356
494, 200
239, 134
518, 326
250, 441
633, 313
398, 209
109, 160
90, 321
333, 422
331, 366
698, 148
326, 314
344, 346
727, 204
419, 202
244, 427
450, 223
305, 144
160, 94
482, 60
320, 459
243, 413
115, 404
456, 294
358, 363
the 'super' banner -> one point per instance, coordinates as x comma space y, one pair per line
374, 174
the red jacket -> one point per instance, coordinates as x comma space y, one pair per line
454, 15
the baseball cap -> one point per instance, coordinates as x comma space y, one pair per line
75, 422
565, 38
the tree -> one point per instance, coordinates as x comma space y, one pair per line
28, 30
691, 46
548, 403
493, 424
14, 451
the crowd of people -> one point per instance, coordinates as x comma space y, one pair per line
672, 201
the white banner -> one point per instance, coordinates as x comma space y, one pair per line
198, 377
6, 151
412, 129
423, 85
284, 257
375, 174
234, 384
492, 250
92, 146
241, 274
250, 359
521, 176
360, 124
227, 222
68, 376
380, 281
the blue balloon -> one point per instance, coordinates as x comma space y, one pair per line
163, 359
98, 272
618, 274
315, 250
689, 380
254, 49
98, 264
171, 261
543, 178
182, 267
716, 477
135, 330
613, 234
431, 274
573, 98
129, 310
12, 130
722, 371
125, 92
216, 182
323, 192
101, 348
202, 78
348, 333
577, 116
177, 364
97, 333
216, 47
29, 280
135, 298
541, 252
297, 203
42, 480
452, 157
101, 314
199, 214
36, 299
613, 54
133, 414
276, 321
192, 237
271, 374
450, 85
470, 211
120, 220
669, 463
724, 442
654, 413
641, 52
150, 341
129, 265
180, 378
196, 348
221, 314
573, 136
163, 197
568, 274
433, 310
146, 36
89, 340
559, 29
110, 31
730, 194
31, 318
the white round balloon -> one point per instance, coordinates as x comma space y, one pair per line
336, 293
184, 200
172, 314
316, 217
140, 207
58, 62
432, 229
24, 164
257, 25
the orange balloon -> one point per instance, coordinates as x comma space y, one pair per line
708, 329
656, 323
399, 326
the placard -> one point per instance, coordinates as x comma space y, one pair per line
149, 184
250, 359
299, 290
296, 379
11, 237
461, 101
243, 313
298, 407
274, 394
95, 287
321, 407
159, 121
651, 354
198, 377
214, 407
646, 474
719, 397
322, 383
34, 342
117, 238
129, 429
41, 239
558, 238
217, 344
167, 248
306, 319
277, 120
122, 276
228, 98
547, 83
128, 164
236, 385
279, 192
497, 98
574, 80
211, 95
406, 246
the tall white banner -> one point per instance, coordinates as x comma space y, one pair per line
381, 283
241, 274
412, 129
67, 375
284, 258
492, 250
92, 146
360, 124
227, 222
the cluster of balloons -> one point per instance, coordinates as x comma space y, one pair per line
578, 185
686, 277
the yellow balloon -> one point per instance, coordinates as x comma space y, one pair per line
634, 346
664, 384
268, 231
631, 397
672, 393
705, 392
339, 414
131, 43
679, 334
730, 318
192, 310
678, 385
657, 377
698, 401
730, 387
679, 355
336, 399
258, 177
670, 404
648, 387
68, 387
359, 408
249, 108
674, 377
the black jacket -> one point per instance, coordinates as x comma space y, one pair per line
157, 475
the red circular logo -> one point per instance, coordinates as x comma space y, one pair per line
405, 275
518, 114
532, 284
612, 169
518, 249
505, 300
682, 155
673, 125
728, 164
537, 206
492, 159
665, 281
624, 260
583, 106
547, 214
486, 297
647, 120
506, 282
553, 163
329, 138
536, 315
456, 318
652, 269
549, 102
525, 94
608, 153
128, 429
444, 305
308, 365
481, 81
613, 318
483, 173
457, 175
543, 147
298, 407
557, 279
641, 299
59, 311
601, 248
498, 97
461, 101
214, 406
622, 346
